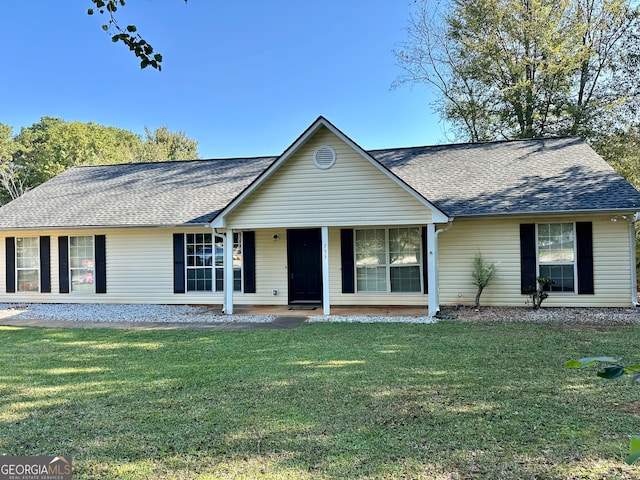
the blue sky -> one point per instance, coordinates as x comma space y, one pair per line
244, 78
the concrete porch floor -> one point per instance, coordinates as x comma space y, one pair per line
306, 311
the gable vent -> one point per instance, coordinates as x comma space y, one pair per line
324, 157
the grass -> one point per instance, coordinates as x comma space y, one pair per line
445, 401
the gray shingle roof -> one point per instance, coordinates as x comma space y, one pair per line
137, 194
521, 176
535, 176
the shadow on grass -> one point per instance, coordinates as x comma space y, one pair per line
330, 401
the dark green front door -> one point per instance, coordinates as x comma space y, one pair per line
304, 252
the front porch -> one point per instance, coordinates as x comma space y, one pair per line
355, 310
382, 268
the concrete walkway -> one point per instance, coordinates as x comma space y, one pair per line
288, 322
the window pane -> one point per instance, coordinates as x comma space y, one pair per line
405, 279
562, 275
199, 261
81, 263
372, 279
219, 252
199, 249
237, 250
370, 248
237, 280
555, 243
27, 252
81, 280
28, 281
199, 279
219, 280
404, 246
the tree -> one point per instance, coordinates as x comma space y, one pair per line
11, 182
162, 144
128, 35
51, 146
482, 274
526, 68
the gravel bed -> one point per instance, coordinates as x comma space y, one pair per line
205, 314
164, 314
545, 315
124, 313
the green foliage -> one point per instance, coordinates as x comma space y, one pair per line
6, 143
634, 450
162, 144
621, 149
539, 293
128, 35
482, 274
515, 69
610, 368
51, 146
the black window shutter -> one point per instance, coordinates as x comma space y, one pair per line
348, 262
249, 261
178, 263
584, 242
101, 263
425, 262
527, 258
45, 264
10, 252
63, 264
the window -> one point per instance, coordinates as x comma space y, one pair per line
81, 264
556, 255
388, 260
28, 264
205, 262
199, 261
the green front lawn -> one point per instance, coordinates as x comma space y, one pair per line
445, 401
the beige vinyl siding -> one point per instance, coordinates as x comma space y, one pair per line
499, 242
352, 192
271, 270
139, 269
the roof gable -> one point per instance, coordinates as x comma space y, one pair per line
316, 128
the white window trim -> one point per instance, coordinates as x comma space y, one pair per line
187, 267
93, 246
221, 267
213, 267
17, 269
574, 263
388, 265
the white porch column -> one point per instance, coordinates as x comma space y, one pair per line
326, 301
432, 269
228, 272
